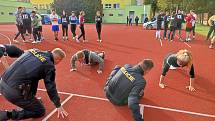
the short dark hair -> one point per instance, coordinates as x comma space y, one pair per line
19, 7
33, 12
53, 10
146, 64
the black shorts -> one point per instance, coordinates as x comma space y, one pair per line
27, 28
179, 26
40, 29
188, 29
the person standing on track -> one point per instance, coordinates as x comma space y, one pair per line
173, 27
125, 85
40, 25
159, 25
87, 57
189, 26
19, 25
55, 26
36, 28
73, 21
10, 51
166, 25
81, 26
65, 22
194, 18
19, 84
27, 22
127, 21
136, 20
98, 20
179, 18
183, 58
211, 23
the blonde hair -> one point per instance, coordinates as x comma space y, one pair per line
59, 52
79, 54
185, 56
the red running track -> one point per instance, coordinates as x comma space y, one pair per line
124, 45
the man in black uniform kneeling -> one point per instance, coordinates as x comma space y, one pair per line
20, 81
126, 84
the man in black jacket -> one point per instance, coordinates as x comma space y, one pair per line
20, 82
126, 85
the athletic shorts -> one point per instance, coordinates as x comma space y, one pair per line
55, 28
188, 29
40, 29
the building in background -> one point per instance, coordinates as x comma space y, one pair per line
116, 11
42, 4
9, 7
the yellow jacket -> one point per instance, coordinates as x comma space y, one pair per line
212, 18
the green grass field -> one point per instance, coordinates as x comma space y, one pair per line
202, 29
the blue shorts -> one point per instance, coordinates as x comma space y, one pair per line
55, 28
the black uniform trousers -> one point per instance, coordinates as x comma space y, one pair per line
31, 107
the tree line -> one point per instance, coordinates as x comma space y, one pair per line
89, 6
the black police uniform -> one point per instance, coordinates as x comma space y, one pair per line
10, 50
19, 83
125, 85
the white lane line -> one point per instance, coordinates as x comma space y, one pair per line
179, 111
148, 106
6, 37
55, 110
187, 44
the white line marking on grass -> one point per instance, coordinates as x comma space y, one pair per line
187, 44
148, 106
55, 110
6, 37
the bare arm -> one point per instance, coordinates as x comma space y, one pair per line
4, 62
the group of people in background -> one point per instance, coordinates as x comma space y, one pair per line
130, 20
74, 21
26, 22
174, 22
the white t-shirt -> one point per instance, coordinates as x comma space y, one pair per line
54, 19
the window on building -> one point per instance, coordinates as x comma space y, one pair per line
2, 13
107, 5
110, 14
116, 6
